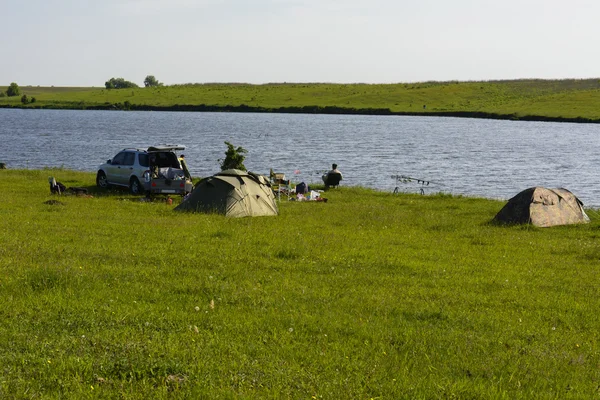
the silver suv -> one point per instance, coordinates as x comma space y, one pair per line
153, 170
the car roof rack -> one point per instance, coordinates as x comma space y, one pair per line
166, 147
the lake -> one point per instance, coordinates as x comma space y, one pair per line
472, 157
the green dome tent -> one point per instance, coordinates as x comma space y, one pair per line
543, 207
233, 193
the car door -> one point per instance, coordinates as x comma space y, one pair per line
127, 167
113, 171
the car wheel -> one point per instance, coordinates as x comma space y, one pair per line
135, 187
101, 180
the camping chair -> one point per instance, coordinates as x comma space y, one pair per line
276, 177
279, 184
332, 180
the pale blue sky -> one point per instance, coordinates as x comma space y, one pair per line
84, 43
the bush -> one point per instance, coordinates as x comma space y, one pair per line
234, 158
13, 90
119, 83
24, 99
151, 81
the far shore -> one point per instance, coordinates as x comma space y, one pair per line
568, 100
326, 110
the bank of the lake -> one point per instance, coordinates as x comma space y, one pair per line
528, 100
370, 295
473, 157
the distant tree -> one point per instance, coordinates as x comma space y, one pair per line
119, 83
234, 158
151, 81
33, 100
24, 99
13, 90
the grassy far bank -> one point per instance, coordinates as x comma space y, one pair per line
577, 100
370, 295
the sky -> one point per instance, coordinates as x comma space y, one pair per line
87, 42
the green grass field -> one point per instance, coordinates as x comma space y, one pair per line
368, 296
577, 100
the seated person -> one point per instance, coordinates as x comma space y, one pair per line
332, 177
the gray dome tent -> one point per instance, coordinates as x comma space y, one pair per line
233, 193
543, 207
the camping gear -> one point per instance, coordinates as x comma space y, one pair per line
543, 207
233, 193
278, 177
302, 188
279, 184
56, 187
78, 191
184, 167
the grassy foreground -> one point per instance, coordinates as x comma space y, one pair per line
370, 295
534, 99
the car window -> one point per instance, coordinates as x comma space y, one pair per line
129, 158
143, 160
164, 159
118, 159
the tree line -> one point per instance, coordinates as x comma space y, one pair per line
113, 83
120, 83
14, 90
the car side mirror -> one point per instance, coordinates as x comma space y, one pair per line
109, 161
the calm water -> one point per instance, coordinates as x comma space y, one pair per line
486, 158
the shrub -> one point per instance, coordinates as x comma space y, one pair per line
119, 83
24, 99
234, 158
13, 90
151, 81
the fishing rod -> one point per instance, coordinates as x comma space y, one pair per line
410, 179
